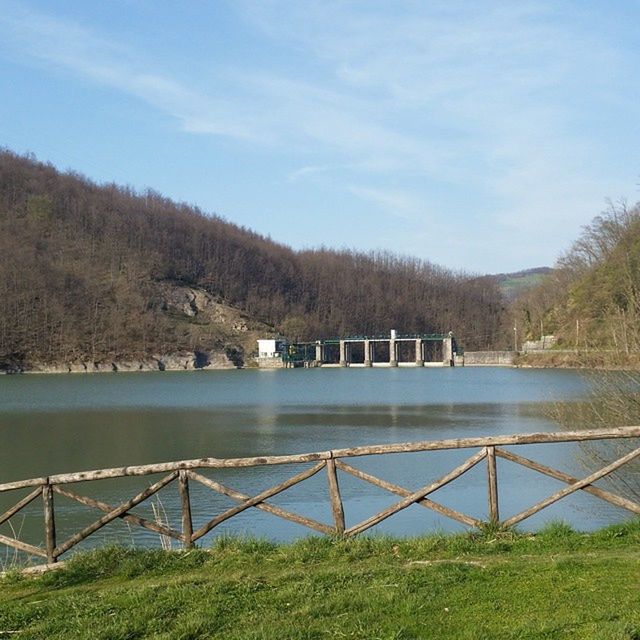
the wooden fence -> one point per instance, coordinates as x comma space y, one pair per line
185, 472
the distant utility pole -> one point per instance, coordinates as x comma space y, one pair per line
515, 338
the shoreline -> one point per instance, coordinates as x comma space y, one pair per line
219, 361
578, 360
179, 361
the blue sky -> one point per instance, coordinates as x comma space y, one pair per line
477, 135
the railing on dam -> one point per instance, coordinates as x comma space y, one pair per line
186, 471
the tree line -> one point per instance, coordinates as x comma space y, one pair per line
81, 264
591, 300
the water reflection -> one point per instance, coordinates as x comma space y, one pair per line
54, 424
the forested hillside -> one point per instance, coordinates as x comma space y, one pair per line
591, 300
89, 271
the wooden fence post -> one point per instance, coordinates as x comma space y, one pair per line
492, 478
336, 499
49, 522
489, 448
187, 523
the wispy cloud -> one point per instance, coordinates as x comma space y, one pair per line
401, 204
482, 94
405, 106
78, 49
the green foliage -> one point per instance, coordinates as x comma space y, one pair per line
592, 298
513, 285
556, 584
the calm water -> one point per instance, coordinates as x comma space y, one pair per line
60, 423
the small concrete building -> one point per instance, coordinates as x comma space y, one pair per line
270, 348
270, 353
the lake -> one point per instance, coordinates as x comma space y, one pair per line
63, 423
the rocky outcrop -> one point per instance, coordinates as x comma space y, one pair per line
198, 303
181, 361
211, 335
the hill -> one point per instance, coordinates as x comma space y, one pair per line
90, 274
591, 299
515, 284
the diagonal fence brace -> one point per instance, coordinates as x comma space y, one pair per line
127, 516
252, 502
23, 546
576, 486
115, 513
607, 496
21, 504
263, 506
418, 495
401, 491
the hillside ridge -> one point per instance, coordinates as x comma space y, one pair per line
87, 269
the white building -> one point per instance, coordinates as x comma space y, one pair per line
270, 348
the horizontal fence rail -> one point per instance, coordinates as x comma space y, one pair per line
186, 471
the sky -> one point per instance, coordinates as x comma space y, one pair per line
477, 135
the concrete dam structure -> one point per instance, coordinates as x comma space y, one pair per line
391, 350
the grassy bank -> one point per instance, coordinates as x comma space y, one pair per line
578, 360
557, 584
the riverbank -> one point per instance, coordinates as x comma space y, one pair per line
234, 359
179, 361
597, 360
556, 584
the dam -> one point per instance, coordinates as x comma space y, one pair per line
392, 350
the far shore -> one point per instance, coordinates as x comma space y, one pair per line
180, 361
218, 361
589, 360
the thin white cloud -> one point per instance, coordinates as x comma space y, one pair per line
312, 171
401, 204
447, 97
488, 88
262, 107
75, 48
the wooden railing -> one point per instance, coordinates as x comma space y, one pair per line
490, 448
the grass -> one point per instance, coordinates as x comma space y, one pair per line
556, 584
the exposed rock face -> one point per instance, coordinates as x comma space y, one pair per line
182, 361
193, 302
218, 336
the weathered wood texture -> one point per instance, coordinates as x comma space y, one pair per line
565, 477
22, 546
407, 447
490, 448
492, 482
580, 484
28, 499
400, 491
252, 502
187, 524
334, 496
49, 523
417, 495
113, 514
263, 506
132, 518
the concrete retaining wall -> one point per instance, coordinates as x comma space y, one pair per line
270, 363
488, 358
